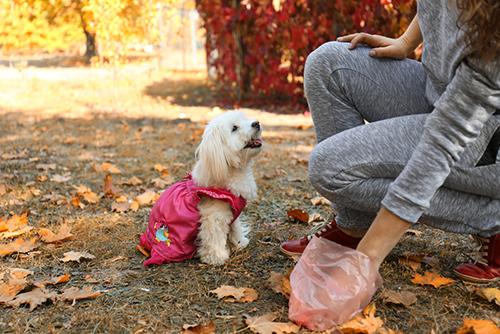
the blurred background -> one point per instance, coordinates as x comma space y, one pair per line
234, 52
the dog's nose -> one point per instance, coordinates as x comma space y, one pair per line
256, 125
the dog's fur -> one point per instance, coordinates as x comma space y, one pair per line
224, 161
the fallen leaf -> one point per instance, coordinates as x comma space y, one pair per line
490, 294
315, 217
14, 226
75, 201
431, 278
159, 168
134, 206
34, 298
472, 326
133, 181
280, 283
413, 262
72, 294
3, 189
10, 288
53, 281
109, 189
60, 178
320, 200
18, 273
120, 207
160, 183
416, 233
17, 246
76, 256
265, 324
143, 251
364, 323
148, 197
206, 328
107, 167
232, 294
14, 223
299, 215
87, 194
49, 237
404, 298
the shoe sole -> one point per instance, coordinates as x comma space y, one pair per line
291, 254
474, 279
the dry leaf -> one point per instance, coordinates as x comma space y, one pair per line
14, 226
265, 325
320, 201
107, 167
17, 246
472, 326
160, 183
315, 217
160, 168
416, 233
146, 198
120, 207
280, 283
490, 294
232, 294
75, 201
133, 181
10, 288
143, 251
405, 298
364, 323
60, 178
76, 256
72, 294
34, 298
87, 194
299, 215
3, 189
109, 189
134, 206
206, 328
50, 237
18, 273
53, 281
430, 278
413, 262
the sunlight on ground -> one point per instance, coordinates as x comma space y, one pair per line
138, 90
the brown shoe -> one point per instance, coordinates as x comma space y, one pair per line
330, 231
487, 269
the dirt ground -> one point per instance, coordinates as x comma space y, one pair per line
135, 117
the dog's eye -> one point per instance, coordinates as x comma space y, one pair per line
235, 128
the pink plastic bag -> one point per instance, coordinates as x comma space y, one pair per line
330, 284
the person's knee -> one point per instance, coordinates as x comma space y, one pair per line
323, 60
329, 167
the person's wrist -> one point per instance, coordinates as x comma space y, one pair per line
405, 45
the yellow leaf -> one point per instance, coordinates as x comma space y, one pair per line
472, 326
50, 237
265, 324
232, 294
206, 328
433, 279
364, 323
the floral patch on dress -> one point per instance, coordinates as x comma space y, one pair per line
162, 235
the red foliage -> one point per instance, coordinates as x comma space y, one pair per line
256, 49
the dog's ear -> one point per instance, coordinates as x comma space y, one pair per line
212, 167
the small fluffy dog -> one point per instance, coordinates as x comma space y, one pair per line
200, 214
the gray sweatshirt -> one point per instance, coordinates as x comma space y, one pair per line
465, 93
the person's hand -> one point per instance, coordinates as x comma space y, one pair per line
383, 47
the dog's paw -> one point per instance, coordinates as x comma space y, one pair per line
241, 243
215, 259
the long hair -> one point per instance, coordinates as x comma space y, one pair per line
480, 19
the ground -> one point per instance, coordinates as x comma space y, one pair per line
137, 116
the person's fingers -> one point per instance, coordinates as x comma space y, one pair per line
387, 52
371, 40
347, 38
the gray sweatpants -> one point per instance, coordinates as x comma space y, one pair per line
354, 162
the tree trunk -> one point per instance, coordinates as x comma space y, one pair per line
91, 46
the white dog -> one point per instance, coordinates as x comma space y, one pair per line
199, 215
224, 160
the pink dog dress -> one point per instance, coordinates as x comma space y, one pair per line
174, 220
